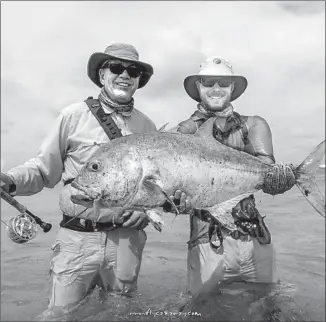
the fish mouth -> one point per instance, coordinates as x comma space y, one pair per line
82, 200
89, 193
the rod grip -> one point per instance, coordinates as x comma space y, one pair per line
12, 201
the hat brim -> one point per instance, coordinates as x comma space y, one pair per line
97, 59
240, 85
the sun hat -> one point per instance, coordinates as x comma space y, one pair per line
121, 51
215, 67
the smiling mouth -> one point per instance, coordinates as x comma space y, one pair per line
122, 84
216, 96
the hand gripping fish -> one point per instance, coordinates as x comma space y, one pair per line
140, 171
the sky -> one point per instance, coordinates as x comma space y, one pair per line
279, 46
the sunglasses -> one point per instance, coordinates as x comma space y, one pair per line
210, 82
117, 69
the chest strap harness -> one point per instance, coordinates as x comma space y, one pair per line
112, 131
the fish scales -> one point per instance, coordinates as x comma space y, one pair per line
187, 163
141, 171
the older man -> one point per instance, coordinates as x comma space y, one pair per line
87, 253
216, 254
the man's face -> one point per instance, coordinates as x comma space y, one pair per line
215, 93
118, 84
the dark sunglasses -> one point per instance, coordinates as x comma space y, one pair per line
117, 68
210, 82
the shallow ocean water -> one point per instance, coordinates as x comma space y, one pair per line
298, 233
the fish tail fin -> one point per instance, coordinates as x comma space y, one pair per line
306, 183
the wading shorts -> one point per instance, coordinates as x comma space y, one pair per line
243, 259
82, 260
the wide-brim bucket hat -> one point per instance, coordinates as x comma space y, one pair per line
120, 51
216, 68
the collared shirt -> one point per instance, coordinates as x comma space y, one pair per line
68, 145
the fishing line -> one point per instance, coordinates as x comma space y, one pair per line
74, 217
4, 223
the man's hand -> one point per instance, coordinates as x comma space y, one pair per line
136, 219
279, 180
245, 209
7, 184
181, 202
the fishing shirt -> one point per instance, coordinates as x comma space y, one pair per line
67, 147
258, 142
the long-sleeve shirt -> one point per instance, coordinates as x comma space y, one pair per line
259, 144
65, 149
259, 136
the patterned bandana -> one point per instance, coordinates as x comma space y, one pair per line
124, 109
225, 113
233, 121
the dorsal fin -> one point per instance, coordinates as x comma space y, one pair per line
206, 130
161, 129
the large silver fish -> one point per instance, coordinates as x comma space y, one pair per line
140, 172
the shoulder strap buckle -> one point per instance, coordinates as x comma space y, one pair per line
105, 120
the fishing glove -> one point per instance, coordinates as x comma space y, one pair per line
280, 179
8, 184
245, 209
249, 221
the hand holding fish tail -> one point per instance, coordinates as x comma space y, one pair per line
280, 179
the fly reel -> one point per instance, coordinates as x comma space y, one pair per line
22, 228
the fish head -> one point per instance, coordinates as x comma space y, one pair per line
111, 176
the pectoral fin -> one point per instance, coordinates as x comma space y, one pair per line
223, 211
155, 218
155, 184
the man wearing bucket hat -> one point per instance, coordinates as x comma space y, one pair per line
247, 254
85, 253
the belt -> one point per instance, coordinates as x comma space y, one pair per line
86, 225
254, 227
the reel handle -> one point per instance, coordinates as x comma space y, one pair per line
22, 209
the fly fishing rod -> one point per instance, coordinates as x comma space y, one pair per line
23, 227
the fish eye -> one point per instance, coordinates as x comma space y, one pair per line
94, 166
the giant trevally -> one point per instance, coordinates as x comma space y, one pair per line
140, 171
